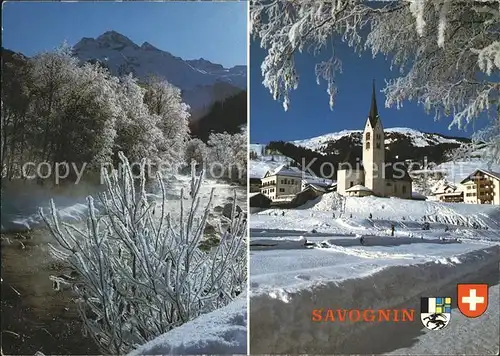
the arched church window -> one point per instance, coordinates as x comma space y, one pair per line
367, 135
368, 145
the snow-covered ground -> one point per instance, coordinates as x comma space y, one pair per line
290, 278
220, 332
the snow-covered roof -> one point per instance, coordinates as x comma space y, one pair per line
442, 186
315, 187
492, 174
454, 194
286, 170
358, 188
318, 181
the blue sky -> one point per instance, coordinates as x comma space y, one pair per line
214, 31
309, 114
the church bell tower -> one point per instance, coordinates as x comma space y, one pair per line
373, 150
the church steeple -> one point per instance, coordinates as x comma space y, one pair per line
373, 115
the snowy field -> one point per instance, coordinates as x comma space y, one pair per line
307, 259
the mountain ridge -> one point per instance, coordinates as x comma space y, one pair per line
418, 138
401, 144
199, 79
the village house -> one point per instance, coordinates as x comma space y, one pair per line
376, 177
282, 183
285, 182
258, 201
449, 193
482, 187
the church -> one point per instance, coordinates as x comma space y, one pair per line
375, 177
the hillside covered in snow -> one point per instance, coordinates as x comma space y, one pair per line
393, 136
401, 144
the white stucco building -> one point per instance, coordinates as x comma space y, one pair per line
482, 187
284, 182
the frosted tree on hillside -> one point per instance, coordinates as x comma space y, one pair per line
49, 76
229, 151
138, 133
447, 52
72, 108
196, 150
141, 269
88, 119
164, 101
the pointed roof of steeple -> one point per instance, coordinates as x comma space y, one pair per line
373, 115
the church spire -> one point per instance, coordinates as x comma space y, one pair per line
373, 115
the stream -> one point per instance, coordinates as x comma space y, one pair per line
35, 317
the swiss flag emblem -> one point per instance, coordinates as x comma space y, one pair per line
472, 299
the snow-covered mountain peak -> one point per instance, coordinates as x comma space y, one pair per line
110, 40
149, 47
115, 40
416, 138
198, 79
205, 65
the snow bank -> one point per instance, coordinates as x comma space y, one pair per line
413, 210
223, 331
385, 241
400, 286
276, 244
353, 241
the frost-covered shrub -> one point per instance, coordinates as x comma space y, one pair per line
142, 268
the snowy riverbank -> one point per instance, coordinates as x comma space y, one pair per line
30, 274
